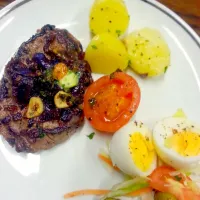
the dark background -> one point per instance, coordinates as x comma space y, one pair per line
189, 10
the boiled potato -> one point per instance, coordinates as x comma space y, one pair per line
109, 16
148, 52
106, 53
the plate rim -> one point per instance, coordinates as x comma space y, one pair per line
181, 22
152, 3
164, 9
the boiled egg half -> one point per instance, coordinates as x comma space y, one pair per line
132, 151
177, 142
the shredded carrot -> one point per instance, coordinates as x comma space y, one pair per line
103, 192
108, 161
85, 192
139, 192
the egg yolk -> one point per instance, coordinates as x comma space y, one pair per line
141, 150
185, 143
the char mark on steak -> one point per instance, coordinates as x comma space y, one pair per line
29, 74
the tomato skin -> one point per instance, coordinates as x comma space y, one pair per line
159, 181
116, 99
158, 178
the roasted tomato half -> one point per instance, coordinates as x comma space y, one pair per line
111, 101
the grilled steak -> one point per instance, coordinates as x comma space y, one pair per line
29, 74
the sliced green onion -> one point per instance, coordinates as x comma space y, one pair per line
127, 187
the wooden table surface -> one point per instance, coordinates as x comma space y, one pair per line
189, 10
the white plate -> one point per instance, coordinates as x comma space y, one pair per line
74, 164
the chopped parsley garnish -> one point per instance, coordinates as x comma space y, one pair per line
48, 73
92, 102
41, 135
118, 32
78, 74
178, 178
40, 131
165, 69
55, 82
43, 93
94, 46
91, 135
129, 63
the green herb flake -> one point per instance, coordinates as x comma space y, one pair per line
48, 75
178, 178
40, 131
129, 63
78, 74
92, 102
94, 46
43, 93
118, 32
41, 135
91, 135
165, 69
56, 82
48, 72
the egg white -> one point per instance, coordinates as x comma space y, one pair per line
164, 129
119, 149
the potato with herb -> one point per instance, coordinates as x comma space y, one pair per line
106, 53
149, 54
109, 16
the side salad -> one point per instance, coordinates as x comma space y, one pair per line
161, 166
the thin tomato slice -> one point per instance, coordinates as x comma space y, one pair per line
111, 101
162, 180
159, 176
